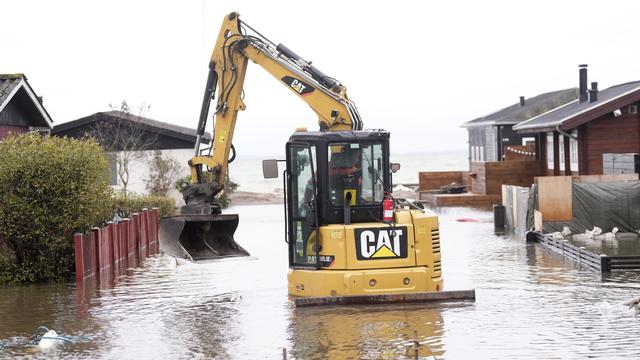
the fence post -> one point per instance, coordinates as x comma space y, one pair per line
125, 238
152, 244
156, 224
115, 242
140, 249
79, 254
109, 243
131, 240
96, 251
143, 226
605, 263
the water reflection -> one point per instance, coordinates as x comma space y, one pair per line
366, 332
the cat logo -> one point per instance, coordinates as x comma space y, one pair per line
381, 243
298, 86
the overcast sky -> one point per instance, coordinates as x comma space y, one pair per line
418, 69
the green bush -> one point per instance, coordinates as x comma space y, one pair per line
132, 203
50, 188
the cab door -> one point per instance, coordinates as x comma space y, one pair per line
302, 214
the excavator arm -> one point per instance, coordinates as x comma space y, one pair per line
227, 69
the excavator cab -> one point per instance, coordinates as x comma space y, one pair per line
332, 178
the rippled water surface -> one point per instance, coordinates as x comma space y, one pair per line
530, 304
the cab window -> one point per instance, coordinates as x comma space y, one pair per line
355, 173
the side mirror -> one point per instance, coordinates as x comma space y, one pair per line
270, 168
395, 167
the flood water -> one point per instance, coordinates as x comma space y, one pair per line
530, 304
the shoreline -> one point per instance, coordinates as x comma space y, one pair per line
258, 198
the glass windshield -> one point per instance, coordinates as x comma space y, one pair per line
302, 196
355, 173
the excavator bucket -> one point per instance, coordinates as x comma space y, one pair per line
200, 237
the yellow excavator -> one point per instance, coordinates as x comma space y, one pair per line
345, 233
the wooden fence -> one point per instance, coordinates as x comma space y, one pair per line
434, 180
100, 250
488, 177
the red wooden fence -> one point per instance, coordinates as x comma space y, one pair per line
98, 251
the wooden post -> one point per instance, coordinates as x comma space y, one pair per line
144, 226
605, 263
79, 255
95, 243
140, 248
123, 240
153, 217
109, 243
126, 238
115, 243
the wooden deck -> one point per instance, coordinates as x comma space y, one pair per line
464, 199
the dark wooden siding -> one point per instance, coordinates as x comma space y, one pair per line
583, 164
8, 130
608, 134
13, 115
508, 137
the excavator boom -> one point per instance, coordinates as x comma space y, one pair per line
202, 232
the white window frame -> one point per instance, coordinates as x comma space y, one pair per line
528, 139
633, 109
481, 153
550, 155
561, 161
573, 151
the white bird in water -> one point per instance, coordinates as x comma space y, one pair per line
605, 308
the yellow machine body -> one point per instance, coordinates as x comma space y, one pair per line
346, 275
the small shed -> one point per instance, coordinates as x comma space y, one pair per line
21, 110
491, 137
575, 138
165, 136
172, 141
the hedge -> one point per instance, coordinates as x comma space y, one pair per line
50, 188
133, 203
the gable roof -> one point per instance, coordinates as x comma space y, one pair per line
577, 113
76, 128
14, 87
534, 106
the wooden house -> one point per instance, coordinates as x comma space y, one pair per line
121, 132
492, 138
497, 154
575, 138
21, 110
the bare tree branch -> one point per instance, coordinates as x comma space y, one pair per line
124, 136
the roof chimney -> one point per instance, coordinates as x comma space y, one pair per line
583, 82
521, 101
593, 92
